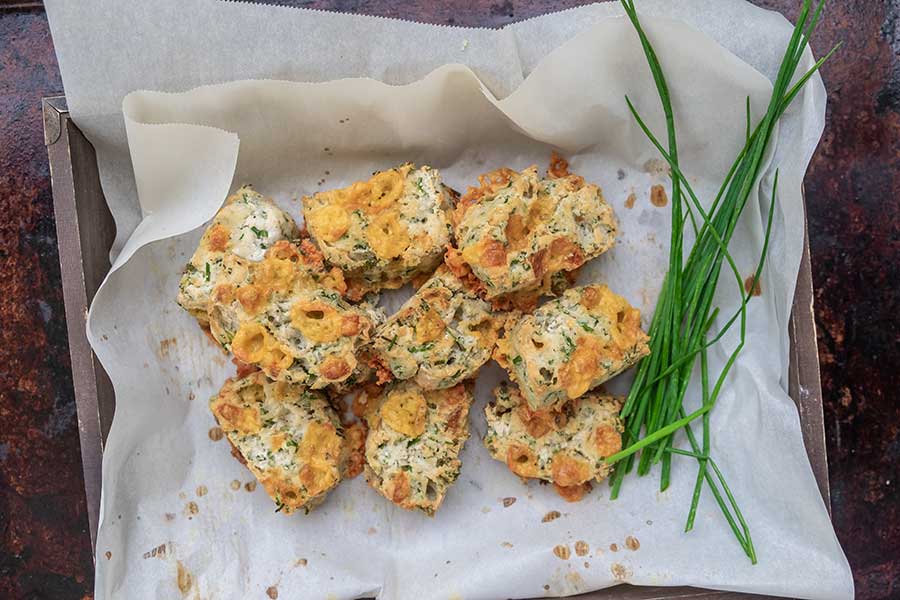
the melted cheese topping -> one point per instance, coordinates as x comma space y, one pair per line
243, 420
387, 236
384, 231
329, 223
319, 450
317, 321
405, 412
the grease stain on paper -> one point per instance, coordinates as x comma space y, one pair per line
159, 552
620, 572
657, 167
183, 578
166, 345
752, 286
658, 196
575, 581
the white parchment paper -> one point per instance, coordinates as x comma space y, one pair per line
172, 522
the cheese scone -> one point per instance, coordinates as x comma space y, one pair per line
288, 436
415, 437
245, 227
293, 332
571, 344
384, 231
517, 230
565, 447
440, 336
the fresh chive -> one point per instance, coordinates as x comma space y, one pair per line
679, 330
423, 348
260, 233
570, 345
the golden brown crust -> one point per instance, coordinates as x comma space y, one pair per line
488, 183
565, 446
285, 314
573, 493
525, 302
354, 458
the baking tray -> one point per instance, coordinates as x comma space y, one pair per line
85, 232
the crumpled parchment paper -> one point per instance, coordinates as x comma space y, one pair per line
179, 515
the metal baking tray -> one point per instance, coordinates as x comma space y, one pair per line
85, 232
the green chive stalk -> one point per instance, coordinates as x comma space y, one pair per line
680, 329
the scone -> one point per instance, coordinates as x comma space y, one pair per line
294, 332
245, 227
566, 447
517, 231
415, 437
571, 344
288, 436
384, 231
439, 337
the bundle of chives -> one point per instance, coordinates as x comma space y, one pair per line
679, 331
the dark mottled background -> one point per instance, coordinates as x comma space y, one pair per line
853, 196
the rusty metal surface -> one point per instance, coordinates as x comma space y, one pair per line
45, 549
853, 197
